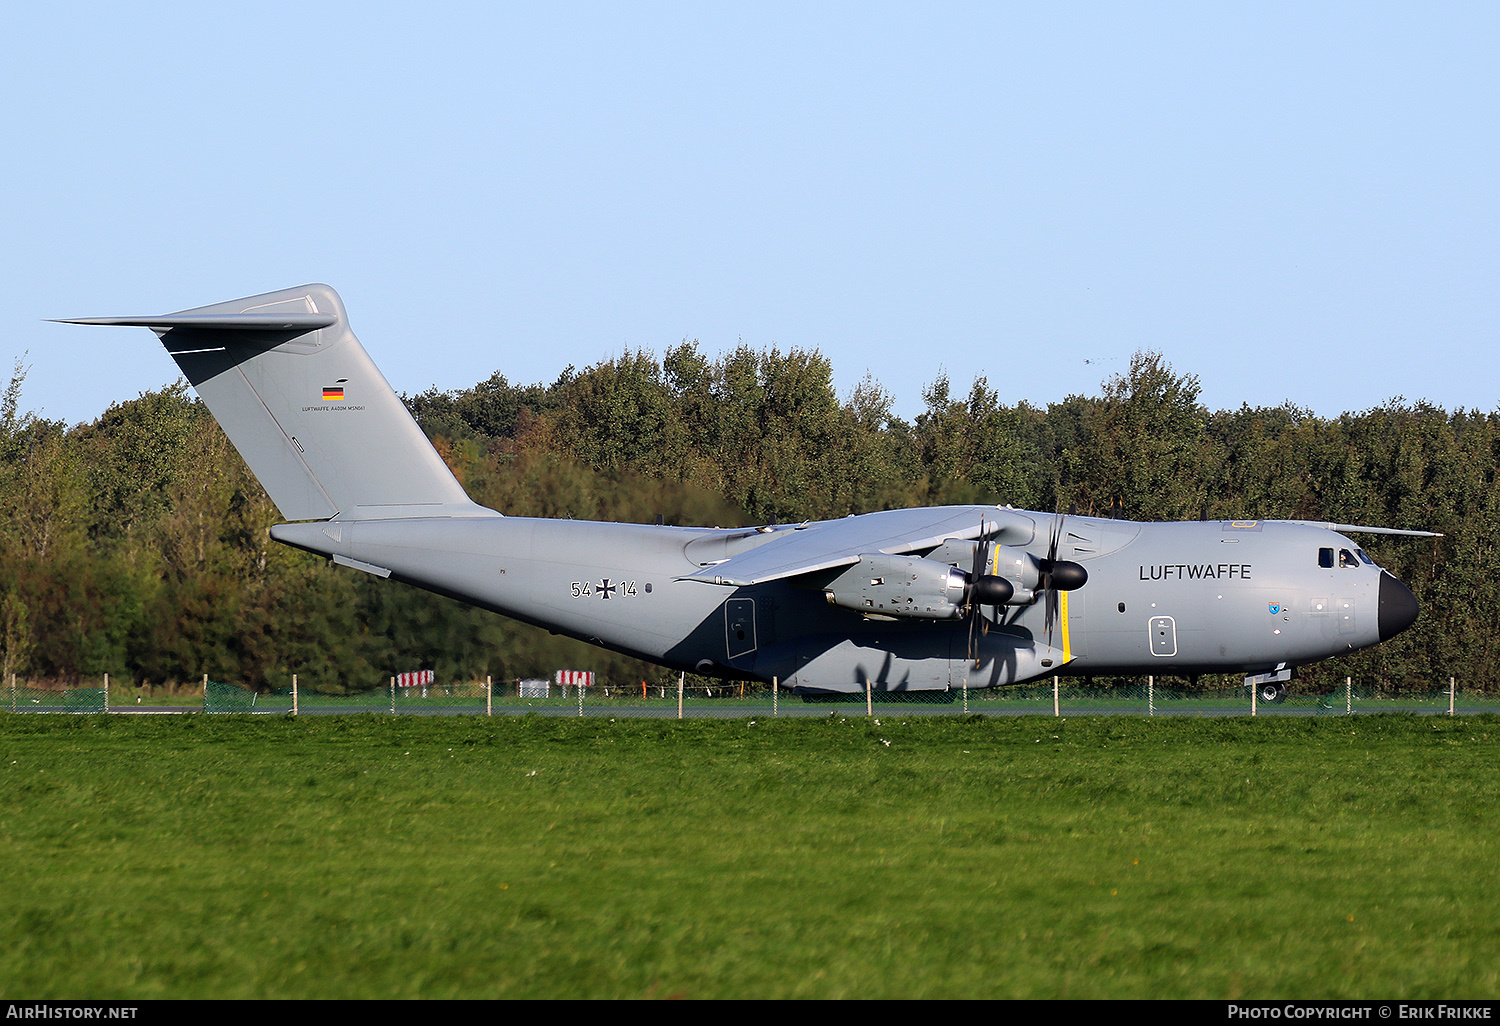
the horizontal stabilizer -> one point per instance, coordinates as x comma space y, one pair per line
217, 322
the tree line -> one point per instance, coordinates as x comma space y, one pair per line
136, 545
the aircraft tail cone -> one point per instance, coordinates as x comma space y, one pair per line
1398, 607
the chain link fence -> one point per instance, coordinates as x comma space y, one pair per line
1051, 697
26, 698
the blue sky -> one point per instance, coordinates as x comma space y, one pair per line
1295, 202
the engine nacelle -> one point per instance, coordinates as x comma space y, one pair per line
905, 586
1019, 567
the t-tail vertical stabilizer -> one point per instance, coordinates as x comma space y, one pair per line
314, 419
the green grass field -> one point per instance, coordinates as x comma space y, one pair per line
375, 857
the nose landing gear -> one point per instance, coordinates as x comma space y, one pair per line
1270, 687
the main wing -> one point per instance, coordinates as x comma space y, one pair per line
829, 544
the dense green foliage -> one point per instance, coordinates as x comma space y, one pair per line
137, 545
388, 857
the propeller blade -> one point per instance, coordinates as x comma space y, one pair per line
969, 595
973, 656
1058, 575
1049, 596
975, 570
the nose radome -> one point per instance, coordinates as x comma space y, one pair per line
1398, 606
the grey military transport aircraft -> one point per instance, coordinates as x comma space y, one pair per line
903, 600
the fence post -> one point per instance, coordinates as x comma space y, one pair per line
1056, 704
773, 696
106, 691
1150, 696
393, 696
966, 694
869, 711
1348, 696
1451, 692
489, 695
680, 678
294, 694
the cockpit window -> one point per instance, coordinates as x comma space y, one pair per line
1365, 556
1346, 558
1325, 558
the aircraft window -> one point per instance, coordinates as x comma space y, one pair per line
1346, 558
1325, 557
1365, 556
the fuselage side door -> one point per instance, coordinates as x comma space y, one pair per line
739, 628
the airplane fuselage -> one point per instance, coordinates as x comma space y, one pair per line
1197, 597
907, 599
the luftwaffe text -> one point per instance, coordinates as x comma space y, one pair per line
1195, 571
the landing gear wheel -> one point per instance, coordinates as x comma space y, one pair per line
1272, 692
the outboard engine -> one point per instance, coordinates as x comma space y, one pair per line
904, 586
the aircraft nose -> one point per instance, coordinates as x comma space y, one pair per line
1398, 606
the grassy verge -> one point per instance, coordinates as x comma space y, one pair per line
371, 856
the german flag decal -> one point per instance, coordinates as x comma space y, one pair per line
333, 393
